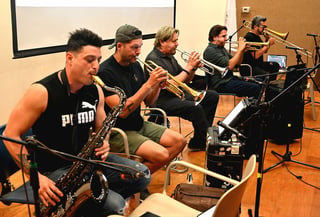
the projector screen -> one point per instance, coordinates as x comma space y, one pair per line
43, 26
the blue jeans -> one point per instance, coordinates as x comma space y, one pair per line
240, 88
119, 188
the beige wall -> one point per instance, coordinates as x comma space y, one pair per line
293, 16
193, 20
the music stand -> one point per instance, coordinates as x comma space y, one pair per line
314, 83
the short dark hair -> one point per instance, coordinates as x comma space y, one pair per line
256, 20
83, 37
215, 31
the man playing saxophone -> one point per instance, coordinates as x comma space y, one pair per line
201, 115
61, 109
217, 54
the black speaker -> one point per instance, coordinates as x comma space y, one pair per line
286, 117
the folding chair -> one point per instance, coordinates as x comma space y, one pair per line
227, 206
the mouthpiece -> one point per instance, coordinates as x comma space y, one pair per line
98, 80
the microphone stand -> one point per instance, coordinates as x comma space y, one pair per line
316, 61
32, 147
230, 36
262, 109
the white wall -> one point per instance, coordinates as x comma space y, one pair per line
193, 19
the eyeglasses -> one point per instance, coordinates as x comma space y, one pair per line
263, 26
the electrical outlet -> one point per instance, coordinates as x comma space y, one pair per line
245, 9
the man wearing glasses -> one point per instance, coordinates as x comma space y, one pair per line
255, 57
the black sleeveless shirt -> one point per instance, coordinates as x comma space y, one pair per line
66, 122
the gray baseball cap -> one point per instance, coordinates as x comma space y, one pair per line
126, 33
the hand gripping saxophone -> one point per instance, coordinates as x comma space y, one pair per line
82, 182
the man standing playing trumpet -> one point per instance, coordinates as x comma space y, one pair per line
218, 55
255, 57
201, 115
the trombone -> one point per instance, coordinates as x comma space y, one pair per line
281, 38
206, 65
174, 88
253, 45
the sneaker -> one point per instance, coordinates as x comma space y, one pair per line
193, 149
194, 146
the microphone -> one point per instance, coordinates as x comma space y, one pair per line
251, 80
314, 35
133, 175
227, 127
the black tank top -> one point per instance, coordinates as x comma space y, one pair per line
66, 122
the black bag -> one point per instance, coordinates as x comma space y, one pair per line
197, 196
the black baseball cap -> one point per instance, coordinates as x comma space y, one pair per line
126, 33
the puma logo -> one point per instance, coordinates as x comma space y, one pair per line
88, 105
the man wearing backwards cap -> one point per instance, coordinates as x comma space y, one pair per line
156, 144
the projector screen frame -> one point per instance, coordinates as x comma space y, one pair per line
22, 53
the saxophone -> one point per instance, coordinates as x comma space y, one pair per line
82, 182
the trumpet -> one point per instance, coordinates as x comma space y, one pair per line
281, 38
253, 45
206, 65
174, 88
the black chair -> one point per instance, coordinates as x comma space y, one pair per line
8, 167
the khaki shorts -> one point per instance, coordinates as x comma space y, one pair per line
149, 131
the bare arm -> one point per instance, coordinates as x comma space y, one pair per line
148, 93
192, 64
23, 116
104, 149
263, 49
238, 57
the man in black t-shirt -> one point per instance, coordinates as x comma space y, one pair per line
255, 57
156, 144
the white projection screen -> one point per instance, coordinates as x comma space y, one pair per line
43, 26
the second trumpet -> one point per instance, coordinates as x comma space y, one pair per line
173, 84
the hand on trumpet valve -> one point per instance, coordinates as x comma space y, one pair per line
242, 45
194, 61
158, 77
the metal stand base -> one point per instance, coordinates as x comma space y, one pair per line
287, 158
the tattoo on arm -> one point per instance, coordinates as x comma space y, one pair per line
129, 107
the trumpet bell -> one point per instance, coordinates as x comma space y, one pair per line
199, 97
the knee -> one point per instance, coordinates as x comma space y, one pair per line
162, 156
114, 204
181, 141
214, 97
